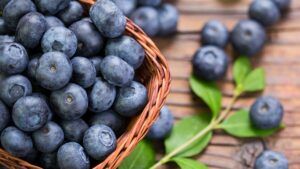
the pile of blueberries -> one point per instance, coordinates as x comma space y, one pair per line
248, 37
67, 81
153, 16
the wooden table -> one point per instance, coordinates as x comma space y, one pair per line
280, 58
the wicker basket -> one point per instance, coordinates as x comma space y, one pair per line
155, 74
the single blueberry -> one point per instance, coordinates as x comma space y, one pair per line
116, 71
147, 18
271, 160
127, 6
162, 126
96, 60
266, 113
70, 102
265, 12
210, 63
14, 11
59, 39
6, 39
48, 138
52, 21
101, 96
14, 87
30, 29
90, 41
111, 119
14, 58
168, 17
3, 28
149, 2
99, 141
31, 68
16, 142
51, 6
72, 13
48, 161
72, 156
30, 113
108, 18
283, 5
74, 130
3, 4
131, 100
248, 37
84, 72
4, 116
127, 49
54, 70
214, 33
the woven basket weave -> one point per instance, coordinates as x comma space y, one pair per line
155, 74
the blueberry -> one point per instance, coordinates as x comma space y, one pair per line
108, 18
99, 141
127, 6
70, 102
72, 155
14, 10
248, 37
162, 126
74, 130
127, 49
84, 72
3, 28
51, 6
54, 70
90, 41
214, 33
147, 19
271, 160
96, 60
116, 71
3, 4
131, 100
52, 21
168, 17
101, 96
266, 113
6, 39
30, 29
48, 161
31, 68
14, 87
283, 5
59, 39
4, 116
30, 113
14, 58
149, 2
265, 12
111, 119
16, 142
72, 13
210, 63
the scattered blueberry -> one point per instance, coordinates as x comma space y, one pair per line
4, 116
266, 113
149, 2
214, 33
52, 21
271, 160
84, 72
72, 13
127, 6
48, 161
283, 5
74, 130
96, 60
51, 6
210, 63
168, 19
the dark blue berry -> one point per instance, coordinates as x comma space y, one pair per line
283, 5
127, 49
116, 71
149, 2
6, 39
248, 37
30, 113
214, 33
52, 21
4, 116
48, 161
162, 126
14, 87
99, 141
147, 19
101, 96
271, 160
59, 39
3, 28
54, 70
72, 156
72, 13
96, 60
51, 6
127, 6
266, 113
108, 18
210, 63
14, 58
168, 17
131, 100
74, 130
84, 72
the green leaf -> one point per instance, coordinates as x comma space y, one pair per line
255, 81
142, 157
185, 163
241, 68
239, 125
208, 92
184, 130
